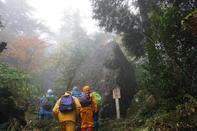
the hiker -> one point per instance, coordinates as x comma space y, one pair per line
66, 110
96, 114
88, 108
46, 105
75, 92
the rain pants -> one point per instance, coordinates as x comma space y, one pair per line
86, 114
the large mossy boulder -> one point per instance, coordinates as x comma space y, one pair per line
105, 69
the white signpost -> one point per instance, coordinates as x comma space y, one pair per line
116, 96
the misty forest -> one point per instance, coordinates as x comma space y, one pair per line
145, 48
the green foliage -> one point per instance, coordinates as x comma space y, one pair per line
169, 73
170, 49
42, 125
116, 125
15, 93
182, 118
11, 125
11, 78
116, 16
16, 82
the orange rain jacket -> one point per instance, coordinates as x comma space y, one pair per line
70, 116
86, 114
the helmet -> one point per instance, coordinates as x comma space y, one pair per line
86, 88
75, 88
49, 91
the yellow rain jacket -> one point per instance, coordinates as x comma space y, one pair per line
86, 114
70, 116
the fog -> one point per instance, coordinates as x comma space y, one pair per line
51, 12
49, 39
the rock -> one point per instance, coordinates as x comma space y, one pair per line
190, 21
104, 70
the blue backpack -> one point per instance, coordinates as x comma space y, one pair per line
67, 104
85, 99
47, 103
76, 94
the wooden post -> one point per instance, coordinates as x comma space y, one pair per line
117, 108
116, 96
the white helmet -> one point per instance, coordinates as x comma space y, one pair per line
75, 88
49, 91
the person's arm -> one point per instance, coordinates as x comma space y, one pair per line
94, 104
56, 109
41, 100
